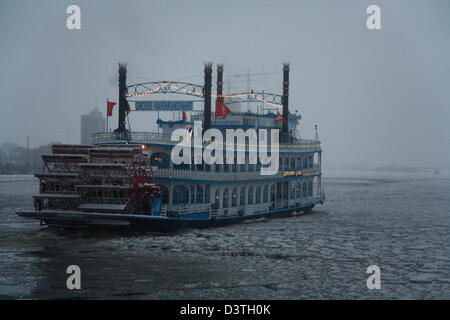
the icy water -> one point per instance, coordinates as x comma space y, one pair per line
399, 222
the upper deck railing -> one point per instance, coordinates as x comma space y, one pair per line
232, 176
162, 138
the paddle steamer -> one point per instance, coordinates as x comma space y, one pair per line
127, 179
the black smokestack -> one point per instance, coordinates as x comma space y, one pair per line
285, 128
220, 83
123, 104
207, 96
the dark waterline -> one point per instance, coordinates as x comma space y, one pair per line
400, 222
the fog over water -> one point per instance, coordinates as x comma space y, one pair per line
379, 97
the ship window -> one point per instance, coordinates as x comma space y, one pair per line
310, 188
242, 200
305, 164
163, 194
266, 194
258, 194
192, 193
292, 193
207, 194
217, 196
292, 163
299, 163
286, 163
200, 167
225, 198
199, 194
304, 190
160, 159
272, 193
226, 168
250, 195
242, 167
234, 198
180, 195
285, 191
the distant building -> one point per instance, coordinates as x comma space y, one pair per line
90, 124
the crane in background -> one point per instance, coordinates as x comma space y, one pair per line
248, 75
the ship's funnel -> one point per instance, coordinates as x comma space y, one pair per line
207, 96
285, 101
123, 104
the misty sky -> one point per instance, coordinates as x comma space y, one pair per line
379, 97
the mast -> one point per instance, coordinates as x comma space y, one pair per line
207, 96
219, 84
285, 101
123, 104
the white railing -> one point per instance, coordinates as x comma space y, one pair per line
157, 137
227, 176
185, 209
132, 137
212, 175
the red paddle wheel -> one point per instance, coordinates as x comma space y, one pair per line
105, 179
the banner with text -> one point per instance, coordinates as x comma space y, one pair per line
164, 105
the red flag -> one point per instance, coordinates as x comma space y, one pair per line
109, 107
221, 109
279, 118
184, 116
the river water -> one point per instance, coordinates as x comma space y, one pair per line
399, 222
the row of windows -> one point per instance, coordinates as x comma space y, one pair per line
162, 160
257, 195
181, 194
293, 163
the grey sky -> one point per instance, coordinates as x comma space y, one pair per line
378, 97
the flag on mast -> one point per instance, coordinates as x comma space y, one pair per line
279, 118
109, 107
184, 116
221, 109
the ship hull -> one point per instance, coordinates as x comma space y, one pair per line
83, 220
